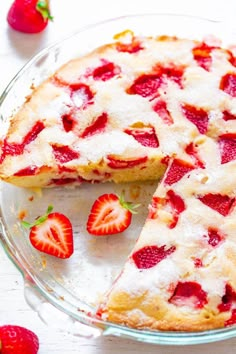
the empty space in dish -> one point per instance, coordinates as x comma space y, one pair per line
96, 260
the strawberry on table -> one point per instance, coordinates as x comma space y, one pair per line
18, 340
29, 16
52, 234
110, 214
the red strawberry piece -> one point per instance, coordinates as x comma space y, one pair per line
228, 116
52, 234
227, 299
172, 200
228, 84
68, 122
214, 237
27, 171
29, 16
176, 202
170, 72
223, 204
120, 164
149, 256
17, 148
145, 85
227, 145
33, 133
231, 57
197, 116
202, 54
189, 293
64, 153
153, 207
132, 47
106, 71
110, 215
177, 205
63, 181
192, 151
18, 340
161, 109
176, 171
98, 126
198, 262
11, 149
232, 320
145, 136
81, 95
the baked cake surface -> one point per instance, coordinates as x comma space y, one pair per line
147, 108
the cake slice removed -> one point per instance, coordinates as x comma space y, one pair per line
181, 274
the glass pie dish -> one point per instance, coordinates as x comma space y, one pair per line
65, 293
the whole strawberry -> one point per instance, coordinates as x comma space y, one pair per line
18, 340
29, 16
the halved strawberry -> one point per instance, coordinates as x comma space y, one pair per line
52, 234
110, 214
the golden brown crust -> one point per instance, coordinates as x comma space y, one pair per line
141, 313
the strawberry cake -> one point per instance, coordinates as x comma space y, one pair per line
146, 108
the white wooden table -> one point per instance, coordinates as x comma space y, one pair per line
15, 50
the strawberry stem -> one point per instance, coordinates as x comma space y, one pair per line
128, 205
42, 6
39, 220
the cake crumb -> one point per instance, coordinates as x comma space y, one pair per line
22, 214
135, 191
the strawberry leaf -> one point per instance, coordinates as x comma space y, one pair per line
43, 8
26, 224
128, 205
39, 220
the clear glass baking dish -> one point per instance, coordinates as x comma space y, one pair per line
65, 292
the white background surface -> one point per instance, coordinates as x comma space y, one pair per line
15, 50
